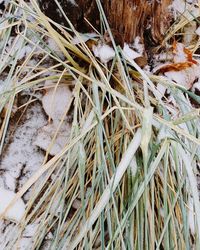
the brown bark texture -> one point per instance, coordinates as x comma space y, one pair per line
148, 19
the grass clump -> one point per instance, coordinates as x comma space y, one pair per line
126, 177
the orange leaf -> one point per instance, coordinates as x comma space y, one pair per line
189, 56
175, 67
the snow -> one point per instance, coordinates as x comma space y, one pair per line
183, 71
198, 31
191, 215
27, 237
104, 52
178, 6
16, 212
72, 2
56, 102
18, 49
45, 138
22, 158
196, 86
186, 8
2, 87
83, 37
55, 48
189, 33
179, 54
184, 77
138, 46
161, 89
130, 53
6, 2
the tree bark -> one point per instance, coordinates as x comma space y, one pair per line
148, 19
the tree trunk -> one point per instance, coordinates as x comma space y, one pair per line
148, 19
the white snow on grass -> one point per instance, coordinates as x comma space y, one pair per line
27, 237
196, 86
178, 6
191, 215
183, 73
56, 102
45, 138
5, 2
72, 2
104, 52
84, 37
17, 48
184, 77
138, 46
55, 48
186, 8
161, 89
9, 232
2, 87
198, 31
179, 54
16, 212
130, 53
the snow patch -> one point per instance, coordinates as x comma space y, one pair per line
191, 215
130, 53
83, 37
55, 48
161, 90
46, 141
178, 6
196, 86
187, 8
72, 2
179, 54
184, 77
16, 212
22, 158
5, 2
138, 46
56, 102
104, 52
198, 31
